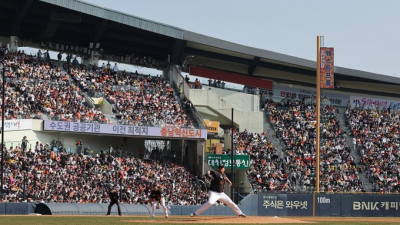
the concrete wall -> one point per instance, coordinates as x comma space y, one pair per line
251, 120
105, 106
243, 101
174, 76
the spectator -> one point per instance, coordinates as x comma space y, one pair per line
89, 177
295, 124
24, 144
115, 69
376, 136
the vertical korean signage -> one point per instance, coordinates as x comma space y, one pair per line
327, 68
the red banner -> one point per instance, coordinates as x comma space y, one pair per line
231, 77
327, 68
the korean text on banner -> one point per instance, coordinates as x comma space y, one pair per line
327, 68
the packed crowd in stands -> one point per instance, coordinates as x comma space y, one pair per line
136, 99
376, 135
294, 124
267, 170
48, 176
36, 86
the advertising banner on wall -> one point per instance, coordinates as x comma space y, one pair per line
296, 93
240, 161
334, 204
124, 129
270, 204
373, 103
23, 124
327, 68
212, 126
357, 205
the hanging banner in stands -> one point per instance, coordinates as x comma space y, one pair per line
23, 124
212, 126
296, 93
240, 161
327, 68
373, 103
124, 129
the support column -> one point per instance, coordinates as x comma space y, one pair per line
183, 147
93, 60
14, 42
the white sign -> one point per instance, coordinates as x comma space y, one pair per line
96, 128
373, 103
23, 124
283, 92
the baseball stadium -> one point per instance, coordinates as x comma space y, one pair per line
110, 118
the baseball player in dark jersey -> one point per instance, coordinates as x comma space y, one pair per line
114, 197
216, 192
155, 199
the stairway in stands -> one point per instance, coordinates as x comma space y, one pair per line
269, 129
276, 141
341, 115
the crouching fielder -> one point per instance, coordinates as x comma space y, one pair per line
155, 199
216, 192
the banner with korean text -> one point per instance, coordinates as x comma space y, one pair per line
240, 161
327, 68
296, 93
373, 103
95, 128
13, 125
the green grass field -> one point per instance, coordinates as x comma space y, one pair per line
99, 220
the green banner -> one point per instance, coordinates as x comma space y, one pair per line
240, 161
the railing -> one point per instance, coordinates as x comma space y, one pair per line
178, 82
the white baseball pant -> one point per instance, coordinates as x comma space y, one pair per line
154, 204
213, 197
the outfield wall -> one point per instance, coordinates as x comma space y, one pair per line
266, 204
344, 205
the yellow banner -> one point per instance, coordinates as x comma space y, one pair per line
212, 126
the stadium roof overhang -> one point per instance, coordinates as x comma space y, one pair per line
79, 23
219, 54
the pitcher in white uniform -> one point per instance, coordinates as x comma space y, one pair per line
216, 192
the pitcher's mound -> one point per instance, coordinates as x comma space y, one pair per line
222, 220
